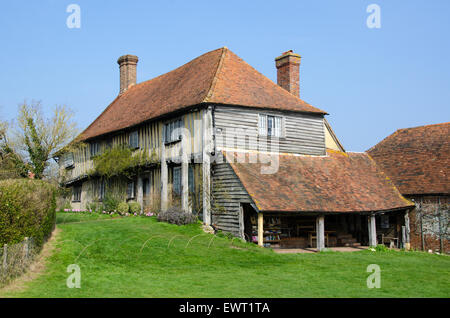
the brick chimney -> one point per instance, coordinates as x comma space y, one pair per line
127, 64
288, 72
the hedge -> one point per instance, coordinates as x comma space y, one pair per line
27, 209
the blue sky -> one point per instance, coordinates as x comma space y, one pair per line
370, 81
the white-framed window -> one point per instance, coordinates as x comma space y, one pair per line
134, 140
172, 131
68, 160
269, 125
94, 148
76, 191
130, 190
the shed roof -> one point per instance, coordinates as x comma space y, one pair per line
337, 182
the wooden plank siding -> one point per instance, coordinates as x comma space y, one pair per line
301, 133
228, 193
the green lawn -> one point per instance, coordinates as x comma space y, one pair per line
70, 217
130, 257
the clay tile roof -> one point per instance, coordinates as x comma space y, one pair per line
219, 76
417, 159
338, 182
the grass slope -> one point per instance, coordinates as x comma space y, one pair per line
130, 257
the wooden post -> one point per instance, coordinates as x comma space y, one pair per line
407, 244
5, 256
164, 174
372, 230
184, 173
140, 192
25, 247
207, 132
260, 229
403, 237
320, 232
241, 222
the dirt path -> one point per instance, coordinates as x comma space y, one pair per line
35, 269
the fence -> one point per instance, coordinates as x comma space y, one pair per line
16, 258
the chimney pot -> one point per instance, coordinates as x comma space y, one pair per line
127, 64
288, 72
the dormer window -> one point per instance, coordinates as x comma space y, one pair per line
134, 140
172, 131
269, 125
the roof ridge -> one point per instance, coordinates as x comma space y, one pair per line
218, 76
429, 125
215, 77
275, 85
398, 131
173, 70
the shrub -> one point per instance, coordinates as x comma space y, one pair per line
135, 207
65, 205
175, 215
123, 208
381, 248
110, 202
94, 207
27, 209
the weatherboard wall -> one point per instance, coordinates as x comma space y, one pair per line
237, 127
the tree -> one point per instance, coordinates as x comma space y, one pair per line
33, 140
10, 165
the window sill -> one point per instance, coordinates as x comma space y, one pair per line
272, 137
76, 201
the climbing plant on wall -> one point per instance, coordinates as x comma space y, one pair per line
122, 161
